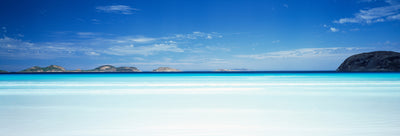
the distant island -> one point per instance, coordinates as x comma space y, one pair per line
166, 69
103, 68
51, 68
110, 68
231, 70
378, 61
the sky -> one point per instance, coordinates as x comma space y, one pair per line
194, 35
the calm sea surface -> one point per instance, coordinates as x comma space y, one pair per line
200, 104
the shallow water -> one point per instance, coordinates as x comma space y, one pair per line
200, 104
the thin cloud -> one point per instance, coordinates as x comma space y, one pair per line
189, 36
142, 39
214, 48
87, 34
374, 15
119, 9
92, 53
276, 41
286, 5
306, 52
196, 35
96, 44
11, 47
129, 39
4, 29
142, 50
332, 29
139, 58
16, 48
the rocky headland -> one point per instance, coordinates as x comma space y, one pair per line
378, 61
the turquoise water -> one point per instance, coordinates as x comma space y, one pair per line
200, 104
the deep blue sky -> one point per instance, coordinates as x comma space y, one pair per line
194, 34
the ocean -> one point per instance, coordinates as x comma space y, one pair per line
200, 104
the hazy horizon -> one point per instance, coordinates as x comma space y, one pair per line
199, 35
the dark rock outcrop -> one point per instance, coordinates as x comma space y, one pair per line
166, 69
51, 68
372, 61
110, 68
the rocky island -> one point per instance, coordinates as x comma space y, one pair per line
378, 61
166, 69
110, 68
51, 68
2, 71
104, 68
128, 69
